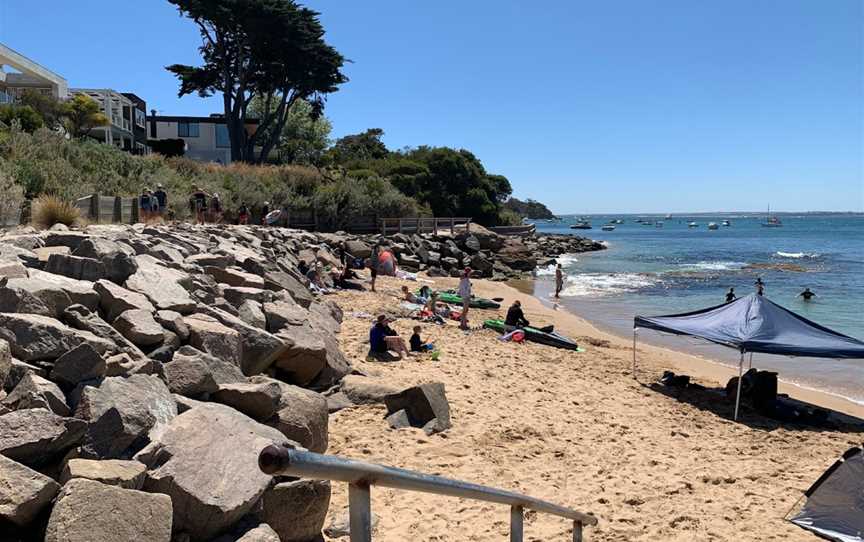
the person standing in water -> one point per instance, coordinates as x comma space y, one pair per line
807, 294
760, 286
465, 294
730, 295
559, 281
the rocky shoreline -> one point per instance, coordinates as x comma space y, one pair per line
489, 255
145, 367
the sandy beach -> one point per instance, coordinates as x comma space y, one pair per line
577, 429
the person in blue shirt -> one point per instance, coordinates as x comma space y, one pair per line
383, 338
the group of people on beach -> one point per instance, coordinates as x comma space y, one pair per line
152, 203
806, 295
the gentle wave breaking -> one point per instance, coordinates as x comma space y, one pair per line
797, 255
587, 284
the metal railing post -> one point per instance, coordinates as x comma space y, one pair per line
516, 523
360, 512
577, 531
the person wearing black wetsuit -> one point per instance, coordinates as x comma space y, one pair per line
730, 295
515, 317
807, 294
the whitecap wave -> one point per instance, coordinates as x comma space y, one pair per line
566, 260
713, 266
797, 255
598, 284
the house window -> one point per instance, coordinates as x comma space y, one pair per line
222, 139
140, 118
187, 129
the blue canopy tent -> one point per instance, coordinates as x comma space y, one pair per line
754, 324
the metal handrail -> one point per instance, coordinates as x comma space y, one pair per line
286, 461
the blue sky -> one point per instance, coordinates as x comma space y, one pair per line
589, 106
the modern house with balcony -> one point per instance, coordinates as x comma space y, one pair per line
127, 114
206, 138
19, 74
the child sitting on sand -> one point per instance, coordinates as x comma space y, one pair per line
417, 344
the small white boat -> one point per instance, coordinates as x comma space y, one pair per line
658, 224
726, 223
608, 227
713, 226
692, 225
668, 217
581, 225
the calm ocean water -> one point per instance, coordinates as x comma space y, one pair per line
649, 270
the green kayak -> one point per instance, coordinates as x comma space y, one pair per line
476, 302
535, 335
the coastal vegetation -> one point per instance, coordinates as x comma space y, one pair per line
529, 209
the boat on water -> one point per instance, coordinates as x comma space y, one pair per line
581, 225
658, 224
771, 221
608, 227
692, 225
618, 221
667, 217
713, 226
726, 223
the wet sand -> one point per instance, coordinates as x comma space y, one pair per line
577, 429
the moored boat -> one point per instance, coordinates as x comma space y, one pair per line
581, 225
713, 226
608, 227
692, 225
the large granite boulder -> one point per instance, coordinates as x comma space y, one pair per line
279, 280
209, 335
234, 277
312, 359
79, 364
114, 299
88, 511
302, 415
358, 249
140, 328
75, 267
79, 291
162, 285
280, 314
258, 400
80, 317
33, 296
24, 493
37, 436
192, 373
33, 337
296, 510
114, 472
33, 391
123, 412
259, 348
118, 259
250, 312
422, 406
363, 390
208, 501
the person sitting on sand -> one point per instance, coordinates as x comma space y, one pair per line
515, 317
730, 295
383, 338
411, 297
807, 294
342, 280
316, 278
417, 344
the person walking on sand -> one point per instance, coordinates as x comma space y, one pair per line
161, 199
807, 294
559, 280
216, 208
760, 286
730, 295
465, 293
198, 204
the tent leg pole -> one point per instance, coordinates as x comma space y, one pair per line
751, 361
740, 375
634, 354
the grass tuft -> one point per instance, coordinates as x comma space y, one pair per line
50, 210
